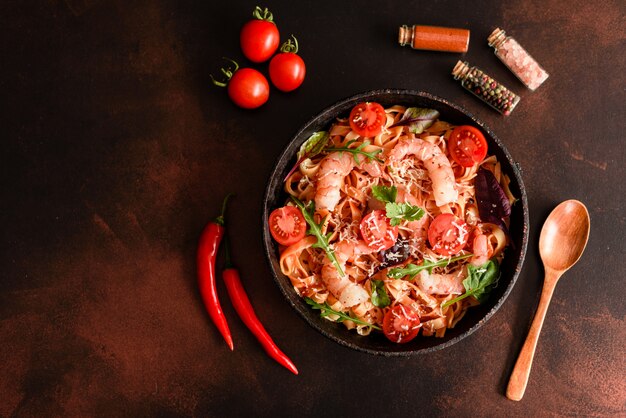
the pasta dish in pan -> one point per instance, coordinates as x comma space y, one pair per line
396, 221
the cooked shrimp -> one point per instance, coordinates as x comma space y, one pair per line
441, 284
419, 228
330, 176
345, 290
436, 163
372, 168
480, 248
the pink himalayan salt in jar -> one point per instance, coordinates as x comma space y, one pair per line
517, 59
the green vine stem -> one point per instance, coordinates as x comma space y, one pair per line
263, 14
289, 46
228, 73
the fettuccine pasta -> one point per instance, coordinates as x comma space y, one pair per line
424, 176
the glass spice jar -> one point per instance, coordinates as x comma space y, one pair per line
517, 59
485, 88
434, 38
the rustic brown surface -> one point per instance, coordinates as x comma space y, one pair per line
116, 150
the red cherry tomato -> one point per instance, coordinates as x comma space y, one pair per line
248, 88
467, 145
377, 231
401, 324
367, 119
287, 69
447, 234
287, 225
259, 38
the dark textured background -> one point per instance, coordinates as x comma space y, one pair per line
116, 150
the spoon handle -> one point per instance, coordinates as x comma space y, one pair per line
521, 371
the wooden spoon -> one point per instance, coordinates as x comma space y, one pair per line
563, 239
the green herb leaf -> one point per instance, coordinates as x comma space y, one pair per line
311, 147
380, 297
385, 194
315, 229
398, 212
314, 145
413, 270
326, 311
479, 282
358, 151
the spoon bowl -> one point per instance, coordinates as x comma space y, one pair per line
564, 235
562, 241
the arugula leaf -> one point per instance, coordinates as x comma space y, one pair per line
327, 311
418, 119
403, 211
479, 282
380, 297
385, 194
310, 148
315, 229
413, 270
358, 151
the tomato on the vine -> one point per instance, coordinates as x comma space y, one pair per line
401, 324
377, 231
447, 234
247, 87
367, 119
287, 69
467, 145
287, 225
259, 37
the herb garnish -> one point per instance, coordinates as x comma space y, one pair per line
413, 270
479, 282
380, 298
327, 311
396, 212
418, 119
315, 229
311, 147
358, 151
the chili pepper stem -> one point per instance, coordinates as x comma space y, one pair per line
220, 219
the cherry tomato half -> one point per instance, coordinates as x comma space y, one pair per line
367, 119
248, 88
467, 145
401, 324
259, 38
377, 231
287, 69
287, 225
447, 234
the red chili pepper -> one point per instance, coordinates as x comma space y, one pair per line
207, 252
244, 309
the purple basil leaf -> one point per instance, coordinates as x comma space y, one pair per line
417, 118
493, 205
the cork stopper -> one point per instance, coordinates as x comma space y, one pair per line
405, 35
460, 70
496, 38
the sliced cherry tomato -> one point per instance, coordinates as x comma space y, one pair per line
447, 234
367, 119
259, 38
401, 324
377, 231
467, 145
287, 225
287, 69
248, 88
